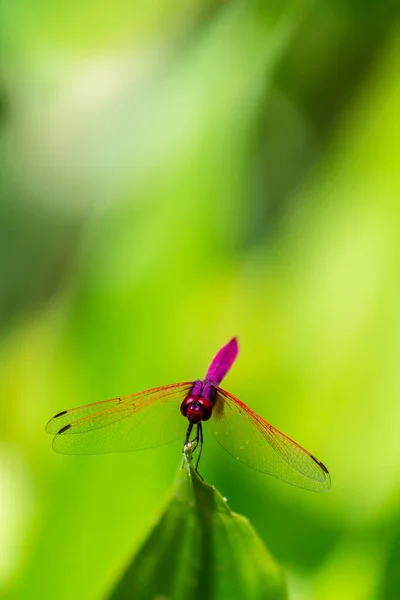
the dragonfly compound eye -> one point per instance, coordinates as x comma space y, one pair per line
196, 409
194, 412
207, 408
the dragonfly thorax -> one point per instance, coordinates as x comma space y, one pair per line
196, 409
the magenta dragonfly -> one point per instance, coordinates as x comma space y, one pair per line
153, 418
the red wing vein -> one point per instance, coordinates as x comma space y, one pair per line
101, 414
154, 420
252, 440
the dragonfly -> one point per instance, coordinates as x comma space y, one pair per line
153, 418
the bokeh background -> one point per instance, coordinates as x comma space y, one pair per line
173, 174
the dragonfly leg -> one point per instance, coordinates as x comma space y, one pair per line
195, 441
188, 432
200, 441
187, 440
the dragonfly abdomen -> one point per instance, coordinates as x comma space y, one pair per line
222, 362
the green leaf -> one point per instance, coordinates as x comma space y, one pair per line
200, 549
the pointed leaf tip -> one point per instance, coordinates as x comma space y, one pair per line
200, 549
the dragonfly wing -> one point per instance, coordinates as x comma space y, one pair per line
253, 441
135, 422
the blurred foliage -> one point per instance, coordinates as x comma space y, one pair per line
200, 549
391, 578
172, 175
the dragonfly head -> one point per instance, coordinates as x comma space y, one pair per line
196, 409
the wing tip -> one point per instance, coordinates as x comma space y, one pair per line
320, 464
50, 425
327, 480
65, 428
60, 414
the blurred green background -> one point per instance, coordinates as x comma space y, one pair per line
173, 174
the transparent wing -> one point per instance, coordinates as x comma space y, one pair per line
135, 422
253, 441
